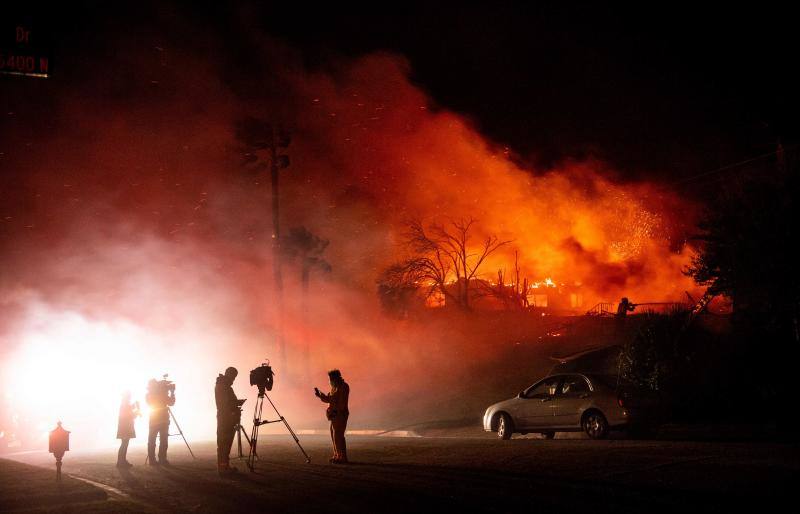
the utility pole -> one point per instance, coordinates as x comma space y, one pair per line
280, 139
257, 135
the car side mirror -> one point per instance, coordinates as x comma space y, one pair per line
521, 394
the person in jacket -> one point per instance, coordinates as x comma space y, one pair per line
128, 412
337, 413
623, 308
160, 397
228, 418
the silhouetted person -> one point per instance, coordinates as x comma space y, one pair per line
337, 413
228, 418
159, 398
128, 412
625, 306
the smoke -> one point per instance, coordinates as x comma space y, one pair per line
129, 223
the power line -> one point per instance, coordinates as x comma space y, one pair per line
730, 166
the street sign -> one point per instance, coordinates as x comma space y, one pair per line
24, 50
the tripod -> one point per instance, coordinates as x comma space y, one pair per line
239, 429
180, 433
257, 422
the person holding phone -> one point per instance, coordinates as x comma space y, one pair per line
337, 413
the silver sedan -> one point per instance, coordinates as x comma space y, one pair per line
560, 403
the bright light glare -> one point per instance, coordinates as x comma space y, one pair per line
73, 369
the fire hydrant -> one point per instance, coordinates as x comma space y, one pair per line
59, 444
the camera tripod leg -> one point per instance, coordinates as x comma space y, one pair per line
240, 431
257, 422
239, 441
251, 458
294, 436
181, 433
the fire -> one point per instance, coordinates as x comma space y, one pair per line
573, 221
548, 282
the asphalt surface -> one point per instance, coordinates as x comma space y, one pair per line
461, 474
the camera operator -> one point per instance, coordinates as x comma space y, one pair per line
228, 417
337, 413
160, 396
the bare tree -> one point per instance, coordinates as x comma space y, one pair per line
441, 256
513, 295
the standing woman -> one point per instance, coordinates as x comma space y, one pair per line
337, 413
128, 412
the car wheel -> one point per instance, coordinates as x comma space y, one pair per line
549, 435
595, 425
505, 427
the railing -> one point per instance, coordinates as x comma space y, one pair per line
601, 309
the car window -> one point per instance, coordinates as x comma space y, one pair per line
545, 388
574, 385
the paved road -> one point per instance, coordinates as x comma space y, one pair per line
459, 474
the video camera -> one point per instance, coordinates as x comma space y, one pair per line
262, 377
163, 386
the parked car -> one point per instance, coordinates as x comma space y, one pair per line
565, 402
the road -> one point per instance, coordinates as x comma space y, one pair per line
391, 474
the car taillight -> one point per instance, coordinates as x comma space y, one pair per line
621, 402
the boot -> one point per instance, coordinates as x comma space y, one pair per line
226, 470
224, 467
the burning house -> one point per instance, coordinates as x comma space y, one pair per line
544, 296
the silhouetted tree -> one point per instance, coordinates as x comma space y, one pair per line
306, 249
749, 252
443, 258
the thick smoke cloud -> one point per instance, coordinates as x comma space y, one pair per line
127, 216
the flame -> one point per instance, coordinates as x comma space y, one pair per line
574, 221
548, 282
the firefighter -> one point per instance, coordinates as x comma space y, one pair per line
625, 306
337, 413
128, 412
160, 396
228, 418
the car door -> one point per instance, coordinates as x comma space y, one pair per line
574, 394
537, 408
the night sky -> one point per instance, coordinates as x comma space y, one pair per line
666, 92
671, 91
